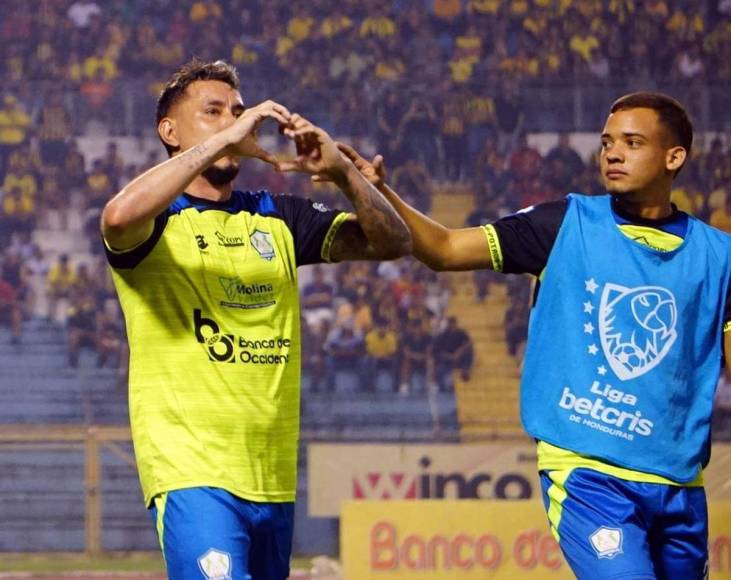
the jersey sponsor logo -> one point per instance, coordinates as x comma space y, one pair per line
607, 542
636, 328
215, 565
609, 418
246, 296
229, 348
262, 243
229, 241
319, 206
201, 241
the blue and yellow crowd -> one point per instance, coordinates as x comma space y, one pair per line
409, 76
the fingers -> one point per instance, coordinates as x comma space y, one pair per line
379, 165
349, 152
289, 166
256, 150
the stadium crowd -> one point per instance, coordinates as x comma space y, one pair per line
435, 85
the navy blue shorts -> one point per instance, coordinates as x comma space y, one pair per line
612, 528
209, 534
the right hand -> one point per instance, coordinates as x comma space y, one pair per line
374, 171
242, 134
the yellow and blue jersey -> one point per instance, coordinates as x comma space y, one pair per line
522, 243
212, 312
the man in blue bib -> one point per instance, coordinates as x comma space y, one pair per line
625, 345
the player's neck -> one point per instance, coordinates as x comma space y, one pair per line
204, 189
645, 205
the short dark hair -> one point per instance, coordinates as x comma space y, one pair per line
191, 71
672, 115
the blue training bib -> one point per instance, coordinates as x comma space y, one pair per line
625, 342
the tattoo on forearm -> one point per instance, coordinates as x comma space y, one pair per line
384, 229
195, 158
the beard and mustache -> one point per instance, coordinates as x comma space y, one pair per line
218, 176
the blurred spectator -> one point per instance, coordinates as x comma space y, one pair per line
721, 218
11, 312
417, 134
406, 291
454, 135
381, 347
412, 182
314, 357
416, 356
113, 164
509, 115
110, 342
82, 11
37, 274
81, 325
516, 316
54, 128
563, 164
344, 350
453, 351
61, 283
317, 300
14, 125
18, 211
16, 274
362, 314
388, 115
73, 176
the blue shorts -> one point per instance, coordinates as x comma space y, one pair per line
612, 528
208, 533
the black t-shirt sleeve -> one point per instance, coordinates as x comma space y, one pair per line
526, 238
310, 222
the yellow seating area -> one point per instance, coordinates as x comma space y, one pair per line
487, 404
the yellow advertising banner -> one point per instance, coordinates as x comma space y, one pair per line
339, 473
461, 540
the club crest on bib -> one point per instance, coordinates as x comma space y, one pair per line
636, 328
215, 565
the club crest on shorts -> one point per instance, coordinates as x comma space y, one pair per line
636, 328
215, 565
607, 542
262, 243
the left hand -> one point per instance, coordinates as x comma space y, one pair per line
317, 153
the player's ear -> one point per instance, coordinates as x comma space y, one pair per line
168, 131
675, 158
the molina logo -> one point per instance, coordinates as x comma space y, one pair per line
235, 288
435, 485
220, 346
636, 327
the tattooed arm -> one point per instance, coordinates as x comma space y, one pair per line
376, 231
128, 218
